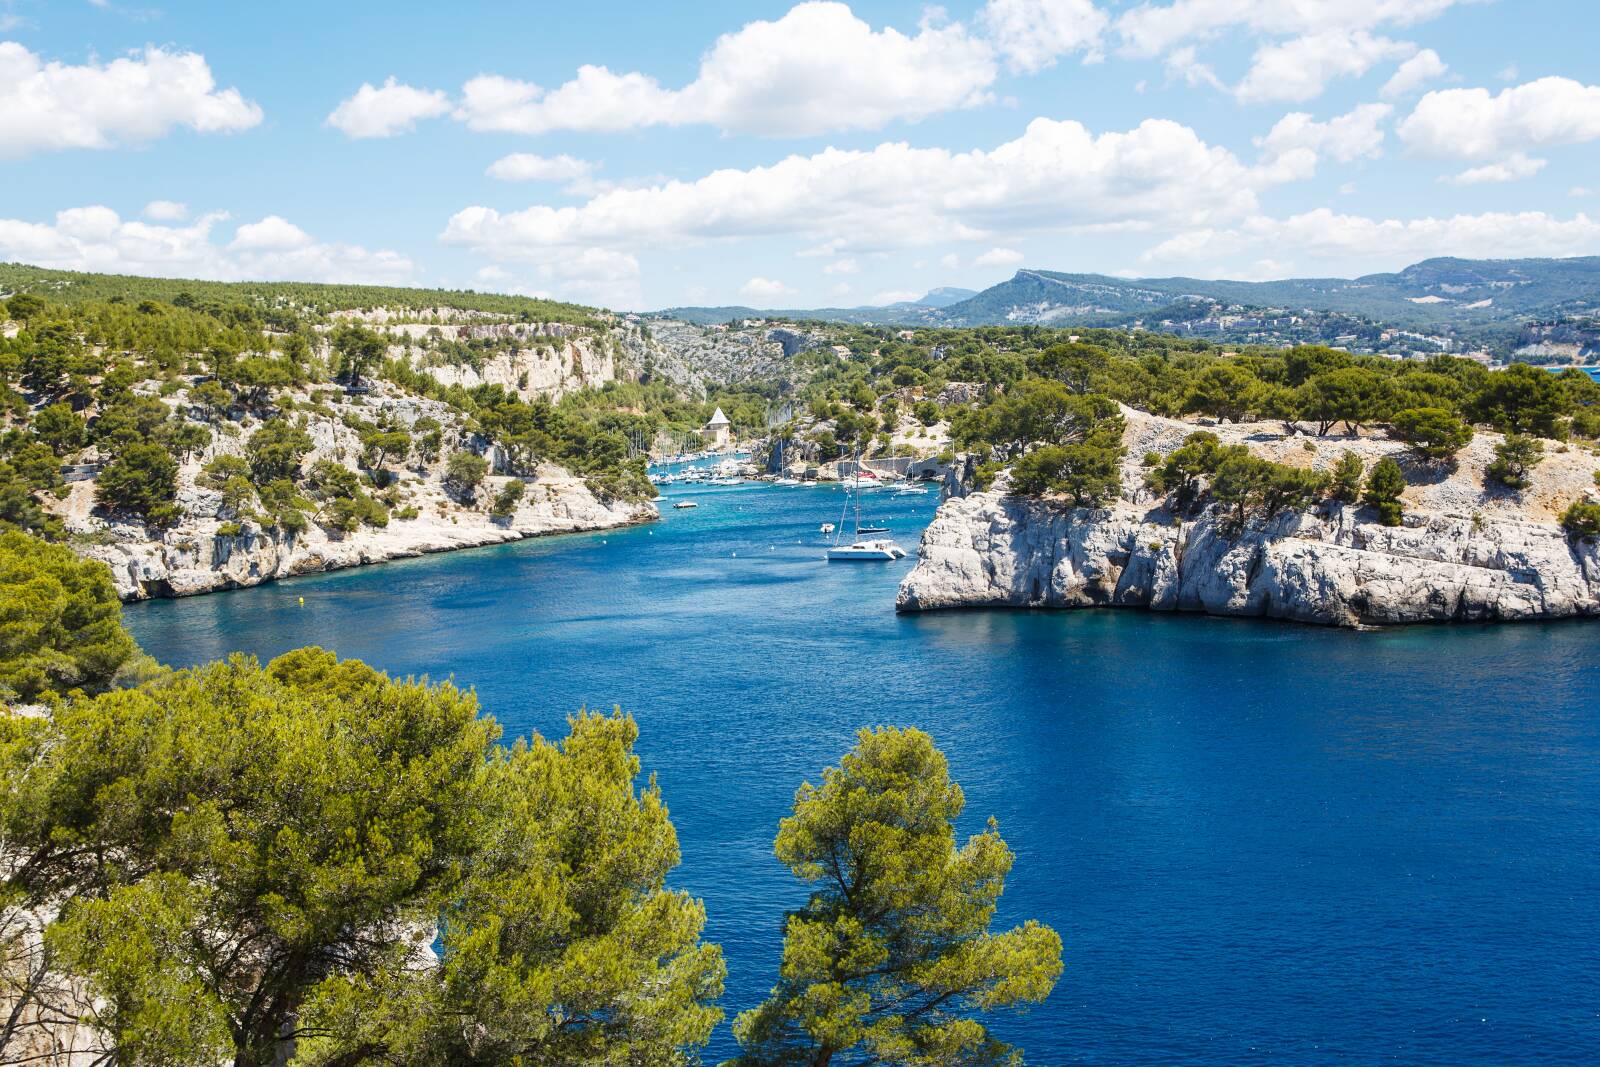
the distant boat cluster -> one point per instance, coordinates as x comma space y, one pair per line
738, 472
696, 469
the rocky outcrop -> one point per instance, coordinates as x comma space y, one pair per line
705, 355
1501, 559
537, 359
197, 558
212, 548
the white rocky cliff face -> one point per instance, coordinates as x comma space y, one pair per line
1464, 553
194, 558
212, 548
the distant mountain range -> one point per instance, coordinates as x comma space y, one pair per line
902, 311
1470, 301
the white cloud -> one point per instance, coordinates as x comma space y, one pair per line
131, 100
840, 289
950, 261
387, 110
1475, 124
894, 296
1032, 33
847, 265
1355, 244
763, 289
600, 276
1514, 167
1306, 44
1301, 68
527, 167
816, 69
95, 238
1421, 68
999, 257
273, 233
1153, 28
1582, 191
166, 211
1184, 65
1056, 176
1297, 142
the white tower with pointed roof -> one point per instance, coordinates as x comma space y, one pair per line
718, 432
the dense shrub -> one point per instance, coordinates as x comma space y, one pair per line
60, 621
1384, 486
1514, 460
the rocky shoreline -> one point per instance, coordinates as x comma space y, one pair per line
1463, 554
194, 558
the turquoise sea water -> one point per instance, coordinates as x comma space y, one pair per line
1262, 843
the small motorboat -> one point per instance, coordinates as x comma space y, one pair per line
827, 527
682, 504
872, 529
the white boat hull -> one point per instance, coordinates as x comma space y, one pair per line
867, 551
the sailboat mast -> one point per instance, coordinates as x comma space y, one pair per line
858, 495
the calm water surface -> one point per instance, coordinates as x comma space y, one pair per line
1262, 843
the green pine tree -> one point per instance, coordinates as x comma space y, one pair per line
892, 960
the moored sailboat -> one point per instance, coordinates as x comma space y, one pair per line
880, 549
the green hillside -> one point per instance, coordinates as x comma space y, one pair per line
74, 287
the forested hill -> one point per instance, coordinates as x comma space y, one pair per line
1456, 304
75, 287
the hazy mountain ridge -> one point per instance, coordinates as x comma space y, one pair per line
1447, 303
908, 311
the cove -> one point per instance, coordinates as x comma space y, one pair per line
1260, 842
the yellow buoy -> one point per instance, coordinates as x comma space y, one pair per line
302, 601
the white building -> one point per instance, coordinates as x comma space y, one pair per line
718, 432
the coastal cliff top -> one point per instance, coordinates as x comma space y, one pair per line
1460, 487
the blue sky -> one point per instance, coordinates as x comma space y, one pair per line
784, 154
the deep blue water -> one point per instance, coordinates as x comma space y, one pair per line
1262, 843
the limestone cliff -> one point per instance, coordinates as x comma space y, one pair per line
197, 557
528, 359
1466, 552
214, 548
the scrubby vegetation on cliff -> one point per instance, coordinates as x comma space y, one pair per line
234, 387
871, 388
1044, 405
